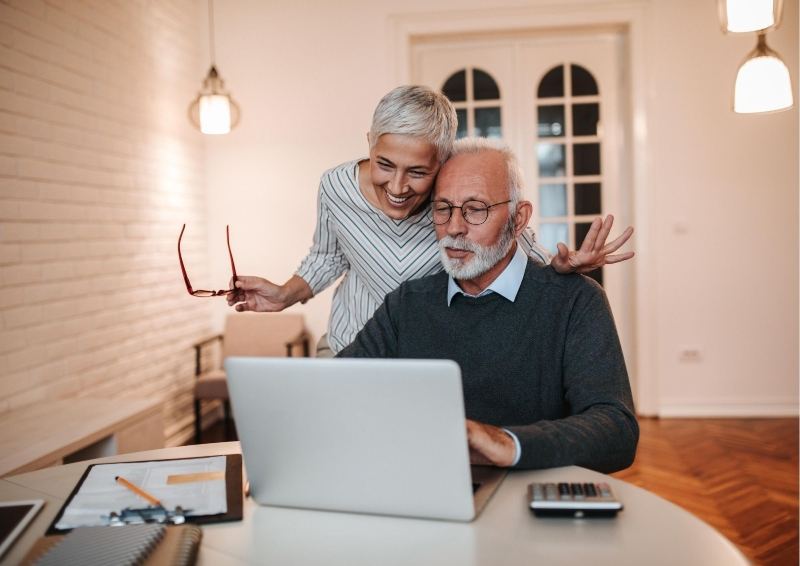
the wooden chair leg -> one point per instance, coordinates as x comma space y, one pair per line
228, 421
198, 424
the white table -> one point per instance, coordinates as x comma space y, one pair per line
649, 531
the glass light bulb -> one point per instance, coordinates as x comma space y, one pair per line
215, 114
750, 15
762, 85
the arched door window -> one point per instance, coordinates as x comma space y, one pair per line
476, 96
568, 154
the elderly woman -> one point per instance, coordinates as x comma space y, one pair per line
374, 224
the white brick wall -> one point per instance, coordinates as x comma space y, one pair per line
98, 170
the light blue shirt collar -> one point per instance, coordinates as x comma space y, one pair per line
507, 283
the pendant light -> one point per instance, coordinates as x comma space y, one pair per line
763, 83
213, 111
742, 16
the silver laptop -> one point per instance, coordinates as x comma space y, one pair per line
366, 436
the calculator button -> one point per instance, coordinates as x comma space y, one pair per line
589, 489
605, 491
538, 492
550, 491
577, 490
563, 490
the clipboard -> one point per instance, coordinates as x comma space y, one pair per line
233, 491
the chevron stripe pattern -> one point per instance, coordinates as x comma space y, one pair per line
374, 252
738, 475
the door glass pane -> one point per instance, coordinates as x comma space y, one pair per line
584, 119
552, 233
587, 198
552, 84
461, 115
455, 88
551, 121
583, 82
484, 87
586, 158
487, 122
553, 200
551, 159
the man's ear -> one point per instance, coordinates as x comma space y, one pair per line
522, 216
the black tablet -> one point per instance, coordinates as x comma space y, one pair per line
14, 517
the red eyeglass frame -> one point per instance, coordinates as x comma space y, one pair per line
203, 292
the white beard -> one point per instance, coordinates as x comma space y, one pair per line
484, 257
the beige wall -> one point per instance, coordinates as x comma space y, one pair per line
98, 169
721, 234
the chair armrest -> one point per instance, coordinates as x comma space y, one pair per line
299, 340
198, 350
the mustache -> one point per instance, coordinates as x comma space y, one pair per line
458, 243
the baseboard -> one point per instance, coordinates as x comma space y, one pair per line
728, 410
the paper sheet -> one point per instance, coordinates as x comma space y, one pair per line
100, 493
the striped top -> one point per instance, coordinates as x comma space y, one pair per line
374, 252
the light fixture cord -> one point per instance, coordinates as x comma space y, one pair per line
211, 30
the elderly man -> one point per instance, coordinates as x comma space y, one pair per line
543, 373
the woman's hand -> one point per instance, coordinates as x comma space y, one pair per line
256, 294
594, 252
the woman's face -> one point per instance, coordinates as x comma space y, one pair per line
402, 170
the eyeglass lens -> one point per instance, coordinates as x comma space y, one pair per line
474, 211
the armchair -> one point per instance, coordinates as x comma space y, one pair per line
246, 334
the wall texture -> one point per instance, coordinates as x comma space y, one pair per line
98, 169
722, 235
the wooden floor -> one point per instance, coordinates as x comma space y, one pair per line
738, 475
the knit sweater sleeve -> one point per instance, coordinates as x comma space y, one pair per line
378, 338
600, 431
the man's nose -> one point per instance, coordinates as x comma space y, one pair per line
457, 225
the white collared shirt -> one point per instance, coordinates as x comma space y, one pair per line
507, 285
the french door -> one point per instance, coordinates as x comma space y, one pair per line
556, 99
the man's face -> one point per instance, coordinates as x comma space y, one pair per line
469, 250
402, 170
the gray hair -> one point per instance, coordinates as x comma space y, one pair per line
416, 111
513, 170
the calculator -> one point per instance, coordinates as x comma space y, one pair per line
573, 500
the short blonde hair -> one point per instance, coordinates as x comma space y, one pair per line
414, 110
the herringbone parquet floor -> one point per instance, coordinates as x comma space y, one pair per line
738, 475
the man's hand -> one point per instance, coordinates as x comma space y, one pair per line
489, 445
594, 252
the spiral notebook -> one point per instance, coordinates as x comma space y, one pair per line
147, 545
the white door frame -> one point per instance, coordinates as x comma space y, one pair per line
632, 17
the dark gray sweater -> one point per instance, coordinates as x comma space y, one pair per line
548, 366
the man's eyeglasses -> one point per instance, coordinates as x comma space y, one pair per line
474, 211
202, 292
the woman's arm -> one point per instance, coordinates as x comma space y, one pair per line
322, 266
260, 295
